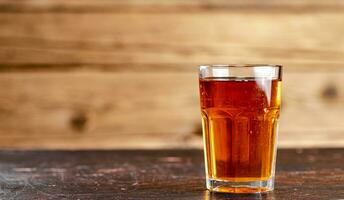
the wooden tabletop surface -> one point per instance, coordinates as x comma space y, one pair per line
157, 174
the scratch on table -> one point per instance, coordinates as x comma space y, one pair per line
97, 174
58, 172
136, 183
55, 170
172, 159
110, 170
24, 169
303, 172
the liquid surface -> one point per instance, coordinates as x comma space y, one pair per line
239, 121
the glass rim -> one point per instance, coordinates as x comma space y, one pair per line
240, 71
239, 66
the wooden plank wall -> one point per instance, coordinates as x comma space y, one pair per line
123, 74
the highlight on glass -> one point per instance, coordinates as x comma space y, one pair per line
240, 106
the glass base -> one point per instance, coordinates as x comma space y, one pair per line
240, 187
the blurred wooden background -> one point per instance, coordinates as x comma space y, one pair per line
123, 74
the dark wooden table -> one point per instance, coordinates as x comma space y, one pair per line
159, 174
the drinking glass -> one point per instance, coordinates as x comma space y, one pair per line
240, 106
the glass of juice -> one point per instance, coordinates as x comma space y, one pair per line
240, 106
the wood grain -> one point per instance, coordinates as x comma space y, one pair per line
160, 174
147, 110
102, 6
117, 107
122, 74
142, 38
